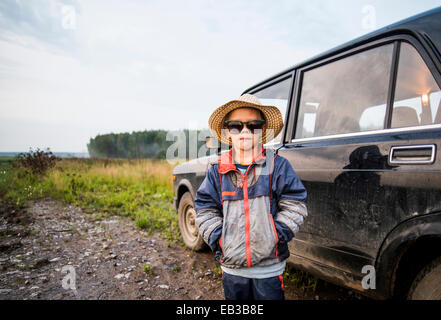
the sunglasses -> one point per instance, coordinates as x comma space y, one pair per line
236, 126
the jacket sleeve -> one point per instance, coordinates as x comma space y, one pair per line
291, 195
208, 208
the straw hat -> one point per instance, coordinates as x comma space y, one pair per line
272, 116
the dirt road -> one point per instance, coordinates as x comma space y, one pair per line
55, 251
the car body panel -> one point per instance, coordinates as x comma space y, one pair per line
355, 198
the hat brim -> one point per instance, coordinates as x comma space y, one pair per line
273, 118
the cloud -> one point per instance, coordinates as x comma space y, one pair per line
41, 19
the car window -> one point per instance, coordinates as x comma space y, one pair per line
276, 95
347, 95
417, 95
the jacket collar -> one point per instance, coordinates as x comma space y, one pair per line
226, 162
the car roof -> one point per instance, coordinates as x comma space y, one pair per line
424, 26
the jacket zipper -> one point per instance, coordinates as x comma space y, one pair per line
247, 215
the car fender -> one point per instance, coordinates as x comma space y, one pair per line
396, 243
183, 184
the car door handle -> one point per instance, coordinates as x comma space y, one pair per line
417, 154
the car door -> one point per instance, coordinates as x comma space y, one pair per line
365, 160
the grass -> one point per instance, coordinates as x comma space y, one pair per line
5, 160
300, 279
176, 268
17, 186
217, 270
148, 269
141, 189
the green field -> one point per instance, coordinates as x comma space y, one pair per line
5, 160
141, 189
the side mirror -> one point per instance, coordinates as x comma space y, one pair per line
210, 143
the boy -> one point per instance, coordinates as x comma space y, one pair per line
251, 203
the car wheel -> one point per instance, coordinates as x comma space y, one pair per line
427, 284
187, 223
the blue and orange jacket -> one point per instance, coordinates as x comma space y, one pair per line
250, 218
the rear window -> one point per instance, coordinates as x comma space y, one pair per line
417, 95
348, 95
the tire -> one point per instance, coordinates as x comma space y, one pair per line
187, 225
427, 284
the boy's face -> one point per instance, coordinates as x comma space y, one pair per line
245, 140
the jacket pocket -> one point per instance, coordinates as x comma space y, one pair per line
264, 236
274, 227
275, 234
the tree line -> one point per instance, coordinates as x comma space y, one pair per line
151, 144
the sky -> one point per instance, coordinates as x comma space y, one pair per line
73, 69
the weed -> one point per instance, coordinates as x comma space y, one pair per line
300, 279
217, 270
148, 269
176, 268
143, 221
37, 162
